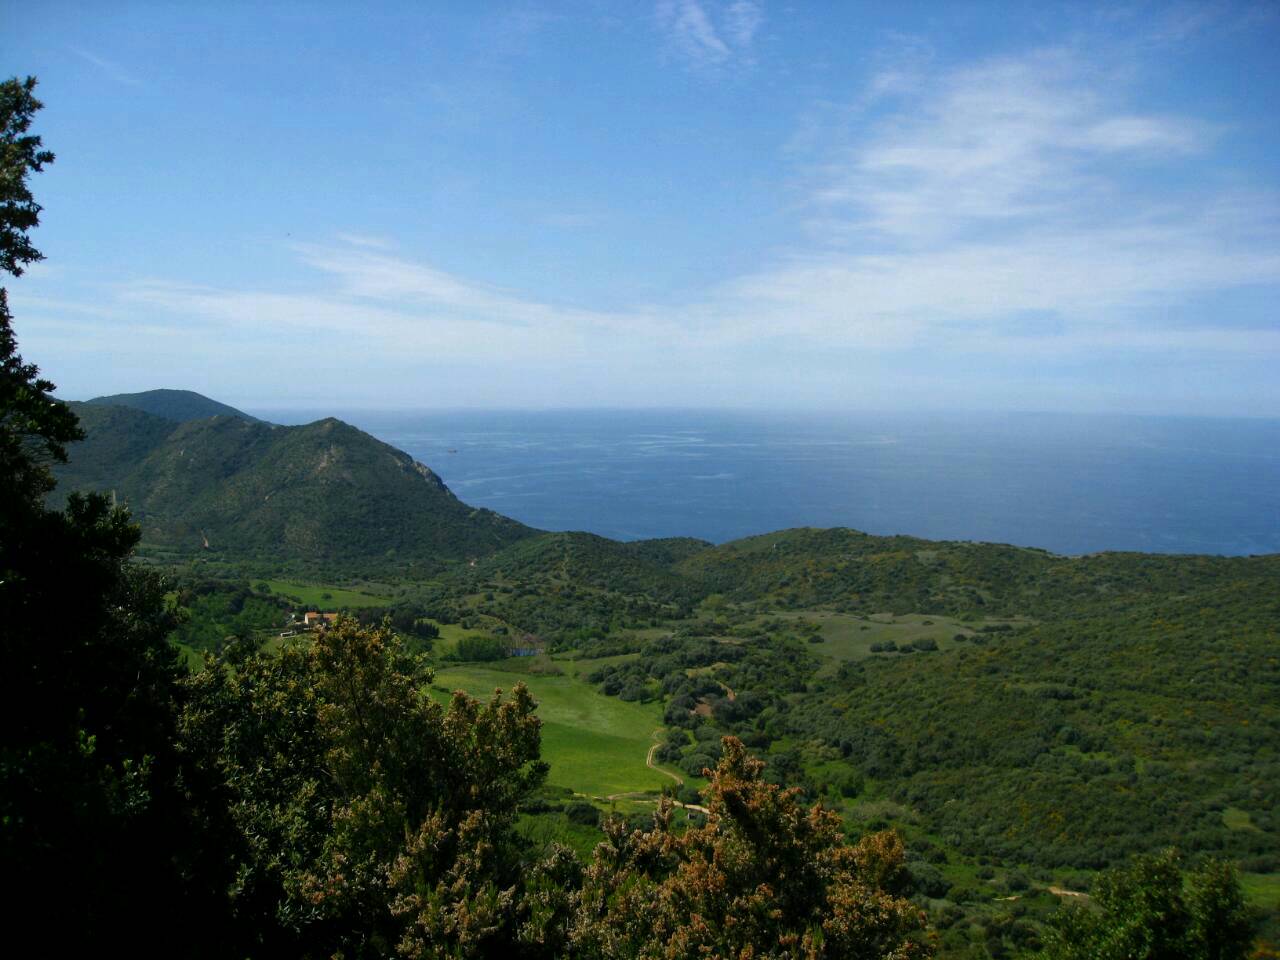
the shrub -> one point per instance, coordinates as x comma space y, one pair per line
580, 811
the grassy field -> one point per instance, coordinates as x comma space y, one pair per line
577, 668
450, 634
322, 597
1262, 889
849, 637
595, 744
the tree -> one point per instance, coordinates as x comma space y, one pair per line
34, 427
93, 803
368, 819
762, 877
1151, 909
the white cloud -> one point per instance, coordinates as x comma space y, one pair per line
709, 35
1008, 140
1004, 211
109, 67
1010, 186
367, 240
742, 20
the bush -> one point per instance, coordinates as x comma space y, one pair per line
927, 879
480, 648
580, 811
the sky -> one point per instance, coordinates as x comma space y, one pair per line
687, 203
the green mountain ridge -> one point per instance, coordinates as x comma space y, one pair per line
322, 493
176, 405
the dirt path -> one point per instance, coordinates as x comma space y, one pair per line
1060, 892
648, 760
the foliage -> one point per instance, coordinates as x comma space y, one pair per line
1151, 909
97, 814
480, 649
20, 153
214, 611
369, 819
763, 877
572, 588
1081, 741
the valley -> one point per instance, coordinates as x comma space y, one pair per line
1023, 719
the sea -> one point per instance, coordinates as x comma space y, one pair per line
1068, 483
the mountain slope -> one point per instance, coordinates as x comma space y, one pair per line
176, 405
317, 494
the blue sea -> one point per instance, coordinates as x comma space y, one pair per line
1068, 483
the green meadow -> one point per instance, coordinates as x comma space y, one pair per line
596, 745
1262, 890
322, 597
849, 637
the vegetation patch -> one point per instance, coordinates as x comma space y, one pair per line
325, 597
596, 745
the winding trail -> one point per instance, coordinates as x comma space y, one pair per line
648, 760
641, 795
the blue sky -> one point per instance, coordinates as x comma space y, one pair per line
685, 203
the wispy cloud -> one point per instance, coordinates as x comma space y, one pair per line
709, 35
1012, 141
1012, 188
109, 67
367, 241
742, 19
1022, 210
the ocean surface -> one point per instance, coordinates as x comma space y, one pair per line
1068, 483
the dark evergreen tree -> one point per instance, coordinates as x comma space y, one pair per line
99, 833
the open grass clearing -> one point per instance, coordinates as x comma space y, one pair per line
1233, 818
580, 667
850, 636
318, 596
1262, 889
450, 633
595, 744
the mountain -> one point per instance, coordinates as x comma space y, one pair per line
176, 405
321, 494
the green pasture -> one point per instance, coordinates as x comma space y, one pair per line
595, 744
849, 637
322, 597
576, 667
1234, 818
450, 634
1262, 889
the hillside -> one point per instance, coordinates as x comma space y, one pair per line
1024, 718
177, 405
1056, 712
312, 496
